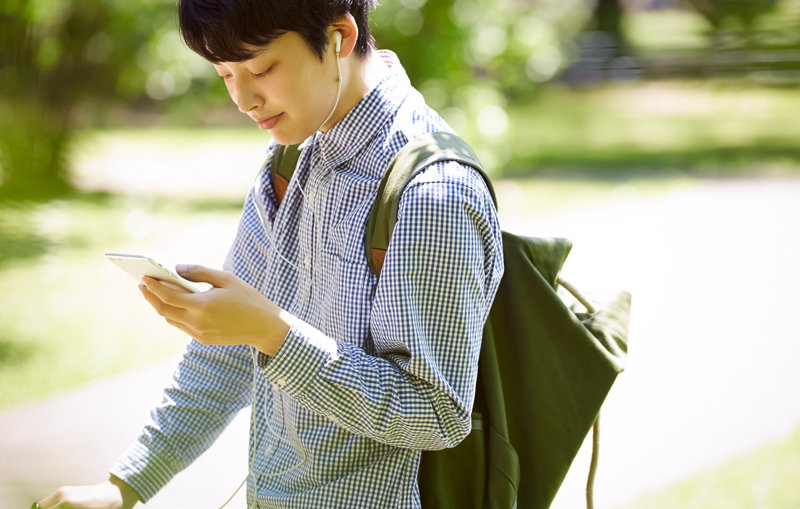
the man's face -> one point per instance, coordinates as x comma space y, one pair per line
284, 87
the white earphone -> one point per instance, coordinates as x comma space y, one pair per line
338, 38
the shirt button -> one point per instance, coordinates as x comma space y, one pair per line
307, 261
311, 197
304, 296
281, 382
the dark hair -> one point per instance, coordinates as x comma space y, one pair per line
218, 30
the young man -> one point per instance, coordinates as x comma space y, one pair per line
353, 375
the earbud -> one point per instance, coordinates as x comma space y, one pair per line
338, 36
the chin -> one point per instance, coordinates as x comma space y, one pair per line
285, 137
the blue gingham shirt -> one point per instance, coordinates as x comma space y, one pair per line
372, 370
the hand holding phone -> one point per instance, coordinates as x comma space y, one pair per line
140, 266
232, 312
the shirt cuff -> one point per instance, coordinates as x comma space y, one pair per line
142, 470
299, 359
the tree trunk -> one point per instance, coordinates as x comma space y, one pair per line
608, 18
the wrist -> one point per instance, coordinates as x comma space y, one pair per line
129, 495
279, 329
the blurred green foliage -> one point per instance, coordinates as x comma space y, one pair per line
67, 65
506, 45
471, 58
62, 65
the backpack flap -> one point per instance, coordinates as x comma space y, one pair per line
552, 372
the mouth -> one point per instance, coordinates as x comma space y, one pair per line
269, 123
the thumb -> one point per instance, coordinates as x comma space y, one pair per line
200, 274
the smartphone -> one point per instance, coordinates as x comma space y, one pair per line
140, 266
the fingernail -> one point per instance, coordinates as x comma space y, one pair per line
180, 268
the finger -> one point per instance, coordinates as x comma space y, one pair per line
200, 274
162, 308
166, 294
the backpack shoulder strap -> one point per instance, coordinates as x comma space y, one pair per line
417, 155
283, 164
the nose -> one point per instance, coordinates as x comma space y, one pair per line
245, 96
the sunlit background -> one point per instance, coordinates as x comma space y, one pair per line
661, 136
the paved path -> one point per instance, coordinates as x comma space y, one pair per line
73, 438
712, 369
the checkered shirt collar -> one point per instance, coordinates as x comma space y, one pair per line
362, 123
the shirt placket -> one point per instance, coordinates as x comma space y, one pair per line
308, 223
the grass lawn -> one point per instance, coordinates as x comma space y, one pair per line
666, 29
68, 316
680, 127
767, 477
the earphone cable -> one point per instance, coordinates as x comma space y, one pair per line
255, 438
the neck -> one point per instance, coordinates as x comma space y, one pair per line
360, 76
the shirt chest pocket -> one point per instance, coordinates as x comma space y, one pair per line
347, 300
350, 284
345, 239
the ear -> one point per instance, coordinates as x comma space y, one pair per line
349, 30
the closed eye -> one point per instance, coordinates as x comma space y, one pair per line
262, 74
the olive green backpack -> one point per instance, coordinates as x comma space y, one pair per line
544, 370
